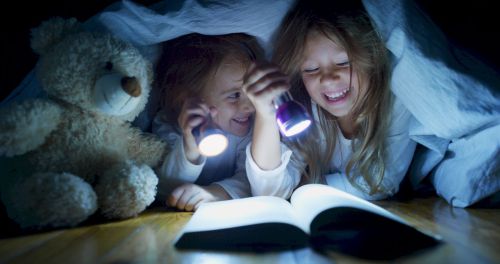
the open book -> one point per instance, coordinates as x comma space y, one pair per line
317, 215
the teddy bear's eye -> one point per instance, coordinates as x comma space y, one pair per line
109, 66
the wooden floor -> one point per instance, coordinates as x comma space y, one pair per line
469, 235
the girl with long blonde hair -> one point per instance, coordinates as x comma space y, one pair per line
339, 70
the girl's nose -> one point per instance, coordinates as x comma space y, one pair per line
329, 76
245, 104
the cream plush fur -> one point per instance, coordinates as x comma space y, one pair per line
75, 153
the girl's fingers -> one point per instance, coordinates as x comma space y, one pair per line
269, 81
198, 109
174, 197
193, 116
204, 107
257, 72
191, 203
213, 111
191, 196
274, 89
197, 205
184, 199
193, 122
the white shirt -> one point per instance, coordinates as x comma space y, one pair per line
227, 169
284, 179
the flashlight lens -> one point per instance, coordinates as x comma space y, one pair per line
294, 129
212, 145
292, 118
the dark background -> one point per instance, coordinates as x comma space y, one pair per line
17, 19
472, 25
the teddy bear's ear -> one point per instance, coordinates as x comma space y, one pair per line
51, 32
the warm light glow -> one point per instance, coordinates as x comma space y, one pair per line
213, 145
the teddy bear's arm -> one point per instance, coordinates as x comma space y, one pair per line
25, 126
147, 148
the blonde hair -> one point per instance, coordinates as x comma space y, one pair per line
346, 24
189, 61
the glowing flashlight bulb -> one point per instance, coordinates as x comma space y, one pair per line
212, 143
292, 118
211, 140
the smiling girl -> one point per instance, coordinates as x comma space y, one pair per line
339, 70
200, 78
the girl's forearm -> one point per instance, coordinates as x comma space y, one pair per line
266, 149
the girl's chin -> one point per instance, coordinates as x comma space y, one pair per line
240, 132
338, 114
338, 110
240, 128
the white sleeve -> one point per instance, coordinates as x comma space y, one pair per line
277, 182
238, 186
175, 168
399, 153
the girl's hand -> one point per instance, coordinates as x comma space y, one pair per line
262, 83
189, 197
193, 114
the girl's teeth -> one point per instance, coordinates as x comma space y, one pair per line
241, 119
337, 95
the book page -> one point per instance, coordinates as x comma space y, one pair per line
311, 199
241, 212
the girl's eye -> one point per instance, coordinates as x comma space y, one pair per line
234, 95
310, 70
344, 64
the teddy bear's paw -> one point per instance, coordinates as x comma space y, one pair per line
126, 189
51, 200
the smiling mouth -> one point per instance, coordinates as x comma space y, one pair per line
335, 97
242, 120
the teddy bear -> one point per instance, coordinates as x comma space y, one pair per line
74, 152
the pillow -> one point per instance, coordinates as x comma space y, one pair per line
454, 97
470, 169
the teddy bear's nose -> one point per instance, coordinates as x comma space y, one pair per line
131, 86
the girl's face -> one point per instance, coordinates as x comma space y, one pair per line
326, 73
223, 91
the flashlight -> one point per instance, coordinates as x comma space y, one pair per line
211, 140
291, 116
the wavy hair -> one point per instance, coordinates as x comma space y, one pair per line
188, 62
346, 24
